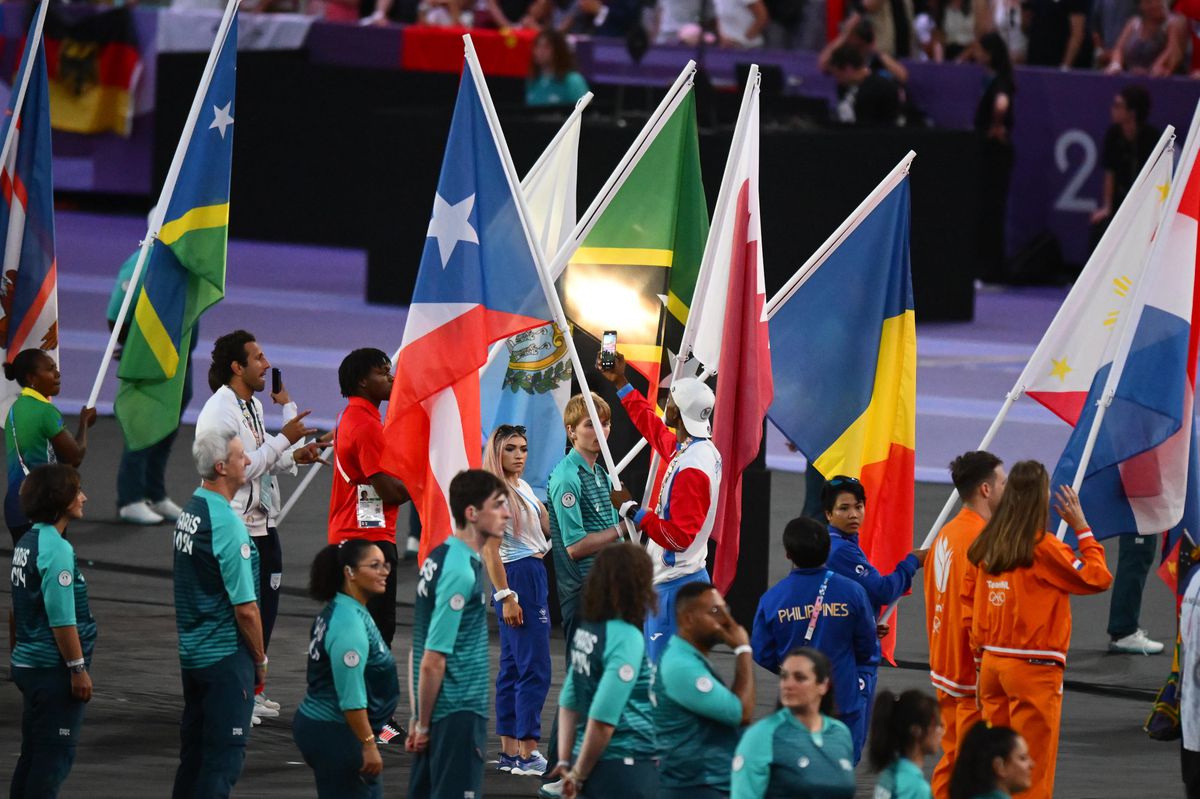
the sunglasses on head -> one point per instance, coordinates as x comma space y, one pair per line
837, 481
509, 429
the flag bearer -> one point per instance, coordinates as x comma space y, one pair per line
979, 478
1021, 614
681, 524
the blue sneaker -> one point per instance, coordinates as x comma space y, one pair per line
532, 766
507, 762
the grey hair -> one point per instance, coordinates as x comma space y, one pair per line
210, 449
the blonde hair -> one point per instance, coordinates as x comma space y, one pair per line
576, 411
1009, 538
494, 463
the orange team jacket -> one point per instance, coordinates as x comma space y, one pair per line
947, 610
1026, 612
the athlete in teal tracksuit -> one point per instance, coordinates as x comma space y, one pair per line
799, 750
221, 651
55, 633
605, 717
352, 685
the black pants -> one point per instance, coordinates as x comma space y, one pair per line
383, 607
1189, 762
270, 578
218, 701
630, 780
996, 175
50, 722
570, 621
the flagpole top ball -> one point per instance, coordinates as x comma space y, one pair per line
695, 402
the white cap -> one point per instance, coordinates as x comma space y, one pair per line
695, 402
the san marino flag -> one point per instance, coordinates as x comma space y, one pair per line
185, 270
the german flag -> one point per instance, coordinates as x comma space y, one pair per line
94, 66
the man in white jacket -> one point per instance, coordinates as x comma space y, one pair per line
239, 370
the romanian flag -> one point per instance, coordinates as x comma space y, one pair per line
94, 68
844, 360
185, 269
643, 254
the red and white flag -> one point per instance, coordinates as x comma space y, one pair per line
732, 337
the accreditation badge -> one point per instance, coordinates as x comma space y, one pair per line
368, 507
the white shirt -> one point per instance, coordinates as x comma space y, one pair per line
531, 540
702, 454
226, 412
1189, 660
673, 15
734, 18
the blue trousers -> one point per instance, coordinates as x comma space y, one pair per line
218, 701
523, 680
859, 719
332, 751
48, 711
143, 472
660, 626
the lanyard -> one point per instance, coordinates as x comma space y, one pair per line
16, 441
250, 414
817, 605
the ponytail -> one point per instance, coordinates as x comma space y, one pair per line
897, 722
327, 575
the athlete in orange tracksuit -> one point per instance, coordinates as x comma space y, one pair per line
1021, 617
980, 478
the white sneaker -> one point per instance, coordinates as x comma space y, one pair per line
255, 721
1136, 643
551, 790
261, 699
139, 513
264, 712
166, 509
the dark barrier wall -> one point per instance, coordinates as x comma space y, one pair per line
351, 157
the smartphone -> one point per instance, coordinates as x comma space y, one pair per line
276, 381
608, 350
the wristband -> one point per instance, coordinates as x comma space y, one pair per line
561, 763
264, 662
420, 730
745, 649
71, 664
628, 508
504, 594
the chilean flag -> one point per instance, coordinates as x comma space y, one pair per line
477, 283
29, 279
1137, 477
745, 387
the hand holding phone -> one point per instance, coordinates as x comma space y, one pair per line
276, 381
608, 350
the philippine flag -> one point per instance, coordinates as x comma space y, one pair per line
477, 284
1137, 477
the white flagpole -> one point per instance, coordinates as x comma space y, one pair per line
851, 223
1103, 248
616, 180
35, 39
510, 173
164, 199
1178, 185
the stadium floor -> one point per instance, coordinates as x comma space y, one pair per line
130, 735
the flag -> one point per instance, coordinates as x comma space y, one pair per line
29, 285
1086, 330
185, 267
844, 359
94, 68
477, 283
644, 252
744, 384
1136, 480
529, 381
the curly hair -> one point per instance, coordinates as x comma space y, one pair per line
620, 586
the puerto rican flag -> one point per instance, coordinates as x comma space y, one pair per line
29, 278
477, 283
1137, 477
